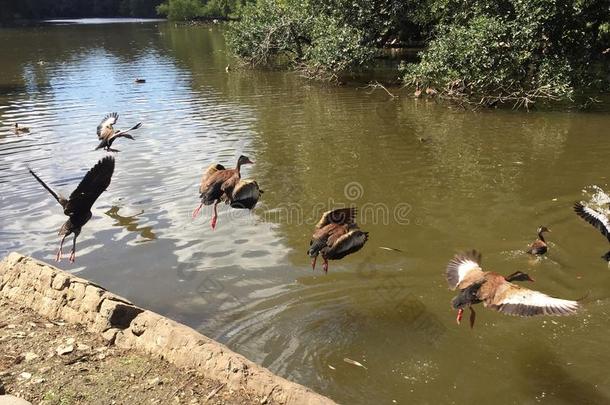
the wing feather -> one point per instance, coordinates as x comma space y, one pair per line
464, 266
595, 218
521, 301
338, 216
209, 171
245, 194
108, 121
91, 187
346, 244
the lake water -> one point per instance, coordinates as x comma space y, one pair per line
479, 179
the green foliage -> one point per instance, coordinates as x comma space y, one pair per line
39, 9
181, 10
337, 47
325, 38
268, 31
514, 49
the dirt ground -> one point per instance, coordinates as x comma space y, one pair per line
51, 362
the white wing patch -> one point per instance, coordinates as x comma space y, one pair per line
110, 120
524, 302
461, 266
595, 218
598, 216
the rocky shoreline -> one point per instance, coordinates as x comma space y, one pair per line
30, 288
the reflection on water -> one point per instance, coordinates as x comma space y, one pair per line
484, 180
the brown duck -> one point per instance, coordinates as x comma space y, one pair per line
498, 292
78, 206
596, 218
221, 184
336, 236
107, 134
20, 129
539, 246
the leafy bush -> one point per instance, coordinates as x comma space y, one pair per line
518, 50
323, 38
514, 49
181, 10
268, 30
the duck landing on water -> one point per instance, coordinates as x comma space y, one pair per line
598, 219
539, 246
78, 206
221, 184
336, 236
498, 292
107, 134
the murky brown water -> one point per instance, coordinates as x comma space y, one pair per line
483, 180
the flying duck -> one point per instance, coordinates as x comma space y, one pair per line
336, 236
107, 134
495, 291
78, 206
221, 184
597, 219
539, 246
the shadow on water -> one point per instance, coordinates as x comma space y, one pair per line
130, 223
549, 379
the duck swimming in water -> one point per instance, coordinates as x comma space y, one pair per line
20, 129
539, 246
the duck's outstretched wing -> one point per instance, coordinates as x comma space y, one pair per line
104, 129
91, 186
595, 218
347, 244
338, 216
61, 200
521, 301
245, 194
209, 171
464, 269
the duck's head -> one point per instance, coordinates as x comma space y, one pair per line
519, 276
542, 229
467, 297
16, 125
244, 160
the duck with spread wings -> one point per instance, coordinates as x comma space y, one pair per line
495, 291
78, 206
336, 236
106, 133
221, 184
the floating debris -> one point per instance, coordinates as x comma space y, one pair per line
390, 248
355, 363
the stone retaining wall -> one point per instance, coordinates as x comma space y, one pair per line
59, 295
